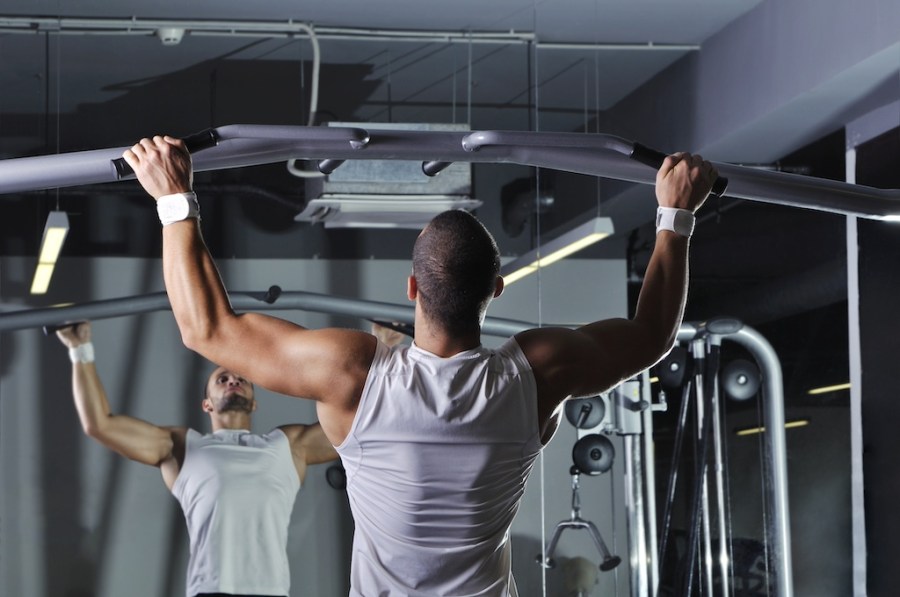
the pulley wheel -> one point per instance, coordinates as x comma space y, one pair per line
585, 413
672, 370
740, 379
336, 477
593, 454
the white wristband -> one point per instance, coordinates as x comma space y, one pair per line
83, 353
177, 207
679, 221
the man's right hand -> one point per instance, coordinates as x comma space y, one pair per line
75, 335
162, 165
684, 181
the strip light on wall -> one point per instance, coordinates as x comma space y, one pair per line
55, 231
559, 248
827, 389
788, 425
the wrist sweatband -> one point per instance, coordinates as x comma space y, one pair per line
679, 221
177, 207
83, 353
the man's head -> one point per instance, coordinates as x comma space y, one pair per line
456, 269
228, 392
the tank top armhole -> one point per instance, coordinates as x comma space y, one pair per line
189, 437
514, 352
382, 354
290, 452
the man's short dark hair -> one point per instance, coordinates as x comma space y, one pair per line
456, 263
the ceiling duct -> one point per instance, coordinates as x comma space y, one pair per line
387, 193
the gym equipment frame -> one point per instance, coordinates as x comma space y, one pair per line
238, 145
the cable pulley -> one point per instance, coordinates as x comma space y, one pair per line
593, 454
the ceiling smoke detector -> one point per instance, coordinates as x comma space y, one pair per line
170, 36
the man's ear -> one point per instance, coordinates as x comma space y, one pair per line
206, 405
499, 285
412, 289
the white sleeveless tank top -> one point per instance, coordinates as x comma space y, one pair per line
437, 459
237, 490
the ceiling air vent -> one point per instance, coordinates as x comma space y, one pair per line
388, 193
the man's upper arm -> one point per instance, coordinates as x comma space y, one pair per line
327, 365
138, 440
310, 443
588, 360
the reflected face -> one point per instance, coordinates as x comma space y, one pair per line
227, 391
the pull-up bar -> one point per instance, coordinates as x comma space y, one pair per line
608, 156
272, 300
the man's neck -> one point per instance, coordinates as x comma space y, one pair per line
230, 421
437, 341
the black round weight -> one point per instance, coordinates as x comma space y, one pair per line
740, 379
336, 477
585, 413
593, 454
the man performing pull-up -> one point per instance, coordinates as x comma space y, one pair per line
437, 438
236, 488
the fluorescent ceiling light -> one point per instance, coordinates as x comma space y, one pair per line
788, 425
55, 231
826, 389
42, 275
561, 247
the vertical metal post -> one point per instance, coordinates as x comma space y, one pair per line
634, 509
719, 472
698, 349
779, 532
649, 488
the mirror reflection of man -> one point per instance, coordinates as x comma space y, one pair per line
236, 488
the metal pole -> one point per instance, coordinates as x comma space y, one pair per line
719, 472
776, 484
634, 508
241, 301
649, 489
704, 430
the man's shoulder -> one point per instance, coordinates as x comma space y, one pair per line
178, 430
291, 430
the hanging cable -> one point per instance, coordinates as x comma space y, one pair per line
453, 92
313, 98
469, 86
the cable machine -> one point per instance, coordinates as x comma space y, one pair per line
710, 561
707, 564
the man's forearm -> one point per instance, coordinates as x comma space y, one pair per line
195, 289
661, 303
90, 398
